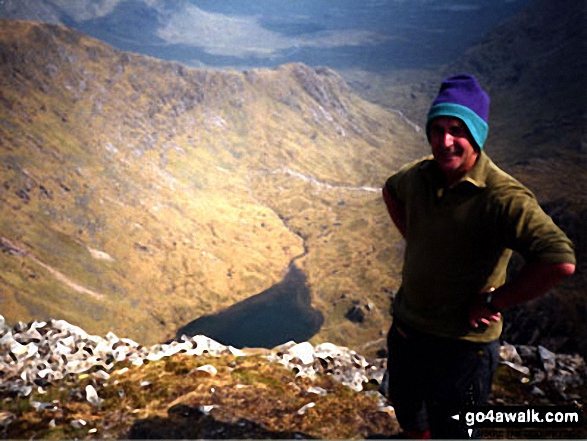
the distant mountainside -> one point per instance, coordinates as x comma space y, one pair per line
535, 68
375, 35
138, 195
30, 10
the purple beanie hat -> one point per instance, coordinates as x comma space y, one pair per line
461, 96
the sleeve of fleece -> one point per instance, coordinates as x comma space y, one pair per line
530, 231
396, 185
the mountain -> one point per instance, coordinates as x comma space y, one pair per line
33, 10
376, 36
139, 195
534, 69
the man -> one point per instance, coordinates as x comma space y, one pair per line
461, 217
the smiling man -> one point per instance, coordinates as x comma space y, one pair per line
461, 217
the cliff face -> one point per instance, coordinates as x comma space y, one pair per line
138, 195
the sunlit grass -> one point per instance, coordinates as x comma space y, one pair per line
244, 388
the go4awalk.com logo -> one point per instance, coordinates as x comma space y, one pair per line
520, 417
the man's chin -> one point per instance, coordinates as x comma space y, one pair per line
449, 164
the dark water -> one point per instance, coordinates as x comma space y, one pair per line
281, 313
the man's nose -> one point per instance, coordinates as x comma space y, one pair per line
447, 139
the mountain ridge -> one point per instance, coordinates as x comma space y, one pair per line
171, 172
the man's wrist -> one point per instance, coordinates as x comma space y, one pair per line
489, 303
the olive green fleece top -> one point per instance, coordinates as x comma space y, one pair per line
460, 239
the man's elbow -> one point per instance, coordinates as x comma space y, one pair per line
553, 273
565, 270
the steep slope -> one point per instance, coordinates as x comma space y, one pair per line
534, 68
138, 195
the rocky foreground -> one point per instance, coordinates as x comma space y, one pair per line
57, 381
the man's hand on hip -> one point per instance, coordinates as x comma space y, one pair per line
481, 313
533, 280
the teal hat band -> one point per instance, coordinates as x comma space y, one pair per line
478, 128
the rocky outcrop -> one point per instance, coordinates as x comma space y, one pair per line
42, 353
38, 354
39, 357
54, 377
323, 85
359, 311
348, 367
554, 377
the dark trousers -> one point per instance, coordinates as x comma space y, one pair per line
432, 378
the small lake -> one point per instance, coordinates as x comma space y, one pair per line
282, 313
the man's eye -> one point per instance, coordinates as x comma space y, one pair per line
436, 130
457, 131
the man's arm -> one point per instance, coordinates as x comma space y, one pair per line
397, 211
532, 281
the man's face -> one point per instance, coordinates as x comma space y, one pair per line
452, 146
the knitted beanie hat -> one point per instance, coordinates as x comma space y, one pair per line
461, 96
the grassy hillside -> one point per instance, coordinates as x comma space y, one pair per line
138, 195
